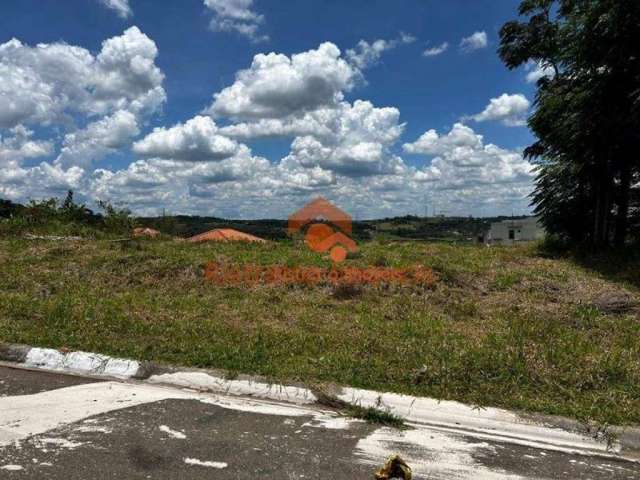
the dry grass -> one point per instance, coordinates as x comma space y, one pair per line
503, 327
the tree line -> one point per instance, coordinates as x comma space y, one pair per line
586, 114
63, 216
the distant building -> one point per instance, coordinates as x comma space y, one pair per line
508, 232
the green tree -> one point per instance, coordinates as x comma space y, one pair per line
586, 114
116, 220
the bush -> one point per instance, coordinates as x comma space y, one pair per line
64, 218
116, 220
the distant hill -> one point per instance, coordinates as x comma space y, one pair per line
408, 227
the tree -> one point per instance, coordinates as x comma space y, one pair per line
587, 114
8, 209
71, 211
116, 219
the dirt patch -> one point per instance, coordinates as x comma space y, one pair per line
615, 302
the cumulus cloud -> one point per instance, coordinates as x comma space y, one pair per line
462, 173
40, 83
96, 103
19, 145
236, 16
276, 85
41, 181
121, 7
345, 151
437, 50
59, 85
352, 145
196, 140
366, 54
242, 166
315, 122
430, 143
187, 186
99, 138
535, 71
126, 76
475, 41
50, 83
511, 110
464, 169
357, 141
301, 97
353, 139
462, 159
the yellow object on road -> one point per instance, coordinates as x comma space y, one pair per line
394, 468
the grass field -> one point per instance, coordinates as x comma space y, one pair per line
504, 327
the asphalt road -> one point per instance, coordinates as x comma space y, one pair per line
62, 427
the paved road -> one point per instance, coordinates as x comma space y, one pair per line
62, 427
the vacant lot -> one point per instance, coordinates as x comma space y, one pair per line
503, 327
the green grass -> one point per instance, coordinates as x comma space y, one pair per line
503, 327
375, 416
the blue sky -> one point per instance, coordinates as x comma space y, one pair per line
200, 46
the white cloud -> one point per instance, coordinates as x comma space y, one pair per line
309, 123
511, 110
50, 83
99, 138
537, 70
344, 151
467, 174
276, 85
40, 83
126, 76
242, 166
142, 185
462, 174
150, 184
366, 54
99, 101
95, 103
16, 181
437, 50
196, 140
42, 181
236, 16
430, 143
353, 144
19, 146
121, 7
353, 139
476, 41
301, 97
356, 141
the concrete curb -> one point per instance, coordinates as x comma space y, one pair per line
77, 362
539, 431
13, 352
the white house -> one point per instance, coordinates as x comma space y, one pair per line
508, 232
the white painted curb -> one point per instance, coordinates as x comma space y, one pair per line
447, 416
205, 382
81, 362
485, 423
